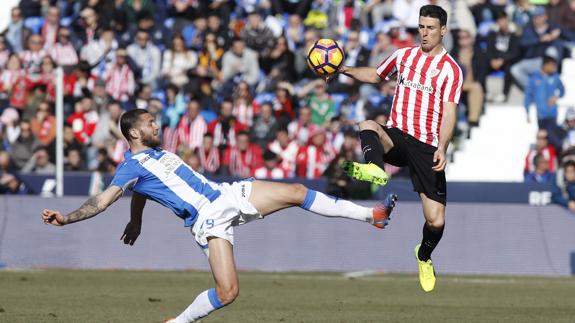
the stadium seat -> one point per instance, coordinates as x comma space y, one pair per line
169, 23
264, 97
34, 24
208, 115
66, 21
189, 32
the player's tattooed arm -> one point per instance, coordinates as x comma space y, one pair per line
90, 208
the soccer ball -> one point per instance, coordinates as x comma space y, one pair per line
325, 57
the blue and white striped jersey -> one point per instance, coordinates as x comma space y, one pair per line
165, 178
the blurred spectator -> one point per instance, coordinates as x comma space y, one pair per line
13, 82
24, 147
241, 160
257, 35
238, 63
133, 8
294, 32
192, 159
564, 188
286, 149
263, 131
4, 52
43, 124
209, 155
334, 134
278, 66
39, 163
522, 13
543, 148
355, 55
74, 161
155, 108
63, 51
6, 163
120, 82
320, 103
32, 56
107, 131
210, 58
568, 131
538, 39
407, 13
99, 96
243, 105
192, 127
10, 184
219, 30
381, 50
178, 61
303, 72
147, 58
543, 89
313, 159
70, 141
143, 96
225, 127
502, 53
88, 27
174, 108
541, 174
9, 124
301, 128
83, 120
49, 31
159, 35
15, 32
271, 168
566, 19
472, 90
101, 53
284, 104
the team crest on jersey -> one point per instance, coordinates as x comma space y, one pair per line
403, 81
434, 72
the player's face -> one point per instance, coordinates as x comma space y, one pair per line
431, 33
149, 131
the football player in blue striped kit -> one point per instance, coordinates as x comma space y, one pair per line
209, 208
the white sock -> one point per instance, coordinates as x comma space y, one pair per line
330, 206
204, 304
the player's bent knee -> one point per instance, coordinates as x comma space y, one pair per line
437, 223
228, 294
369, 125
297, 193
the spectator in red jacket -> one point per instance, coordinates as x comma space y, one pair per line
313, 159
83, 120
225, 128
543, 147
271, 168
241, 160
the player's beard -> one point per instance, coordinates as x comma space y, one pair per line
151, 140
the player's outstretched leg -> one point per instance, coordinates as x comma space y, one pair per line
374, 143
434, 213
221, 260
268, 197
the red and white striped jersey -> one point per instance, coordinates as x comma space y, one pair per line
424, 84
312, 161
191, 132
287, 155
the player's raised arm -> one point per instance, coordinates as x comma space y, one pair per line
363, 74
94, 205
133, 228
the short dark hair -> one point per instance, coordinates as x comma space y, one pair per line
569, 163
434, 11
549, 59
129, 120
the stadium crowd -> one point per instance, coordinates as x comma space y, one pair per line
228, 80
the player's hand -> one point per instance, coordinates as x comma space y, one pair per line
439, 160
571, 205
53, 217
552, 100
131, 233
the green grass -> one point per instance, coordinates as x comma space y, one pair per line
149, 296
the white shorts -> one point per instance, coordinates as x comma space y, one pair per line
231, 209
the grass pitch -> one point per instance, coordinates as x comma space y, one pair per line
149, 296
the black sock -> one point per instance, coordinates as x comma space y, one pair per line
431, 237
371, 147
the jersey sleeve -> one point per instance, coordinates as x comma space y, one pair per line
452, 90
387, 66
126, 176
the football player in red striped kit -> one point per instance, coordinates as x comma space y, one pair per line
419, 128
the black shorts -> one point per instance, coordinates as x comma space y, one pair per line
418, 156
